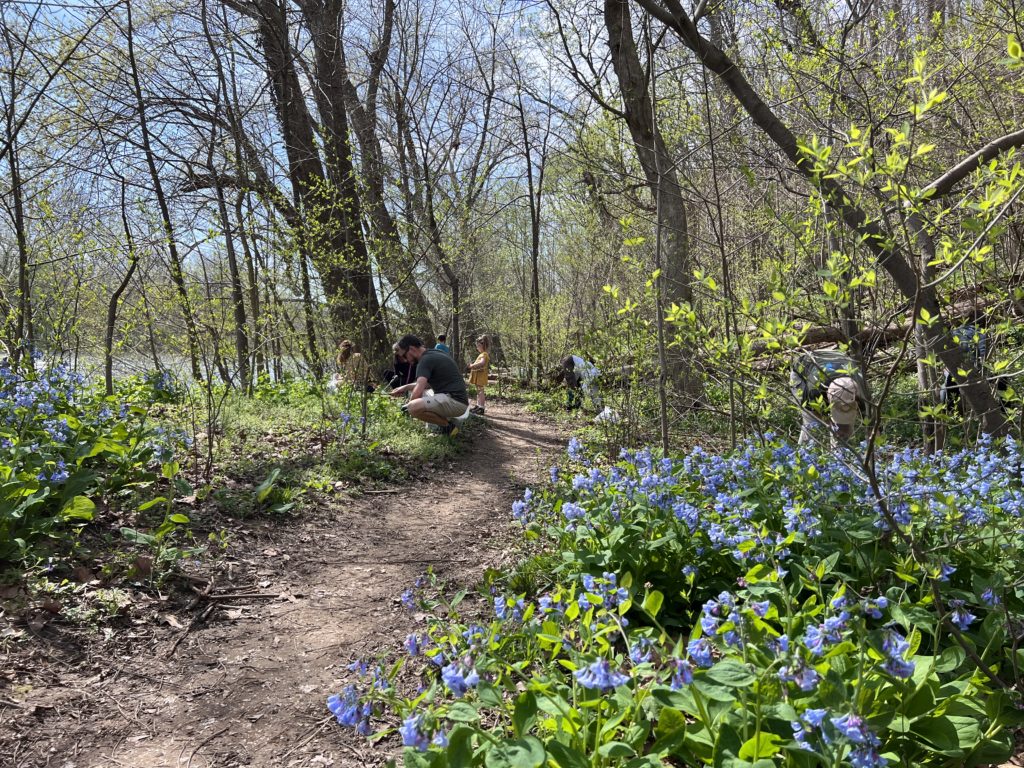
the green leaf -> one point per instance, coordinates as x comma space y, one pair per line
730, 673
138, 537
527, 752
152, 503
460, 747
670, 721
489, 695
79, 508
263, 489
524, 714
653, 602
178, 518
727, 746
462, 712
616, 750
565, 757
763, 745
1013, 47
78, 483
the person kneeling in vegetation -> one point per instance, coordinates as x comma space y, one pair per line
437, 372
479, 370
827, 377
352, 367
580, 378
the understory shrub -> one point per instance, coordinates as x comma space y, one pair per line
776, 606
64, 444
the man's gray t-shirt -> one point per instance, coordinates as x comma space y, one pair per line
442, 375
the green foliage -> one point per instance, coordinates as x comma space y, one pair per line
767, 607
64, 445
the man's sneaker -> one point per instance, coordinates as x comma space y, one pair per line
451, 430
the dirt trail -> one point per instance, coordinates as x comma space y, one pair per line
247, 687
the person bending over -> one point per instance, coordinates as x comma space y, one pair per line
829, 381
435, 371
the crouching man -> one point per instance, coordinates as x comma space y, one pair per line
434, 371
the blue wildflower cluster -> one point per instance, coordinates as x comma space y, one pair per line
759, 597
61, 442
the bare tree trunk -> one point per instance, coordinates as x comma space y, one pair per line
258, 361
177, 275
23, 322
393, 259
534, 189
328, 198
309, 318
115, 298
659, 170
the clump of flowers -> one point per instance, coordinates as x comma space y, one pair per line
63, 443
755, 604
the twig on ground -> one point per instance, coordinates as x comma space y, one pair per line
308, 738
243, 595
204, 742
191, 625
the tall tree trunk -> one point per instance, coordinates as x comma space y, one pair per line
328, 195
177, 275
237, 294
309, 318
393, 259
258, 361
23, 322
535, 189
115, 298
659, 171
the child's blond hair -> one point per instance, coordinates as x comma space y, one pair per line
484, 341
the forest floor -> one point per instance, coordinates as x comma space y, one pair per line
240, 675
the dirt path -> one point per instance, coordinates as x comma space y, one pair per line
248, 685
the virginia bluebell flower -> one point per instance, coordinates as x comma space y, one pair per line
414, 644
855, 729
459, 678
895, 647
700, 652
600, 676
682, 674
989, 597
960, 615
641, 651
412, 733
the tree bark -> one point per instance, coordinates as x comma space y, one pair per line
393, 259
659, 171
177, 275
115, 298
328, 198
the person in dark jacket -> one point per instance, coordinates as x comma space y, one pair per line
401, 371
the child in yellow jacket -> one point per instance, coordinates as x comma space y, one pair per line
479, 371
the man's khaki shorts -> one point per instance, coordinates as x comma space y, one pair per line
444, 405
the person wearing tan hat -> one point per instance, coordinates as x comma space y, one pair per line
829, 378
843, 394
